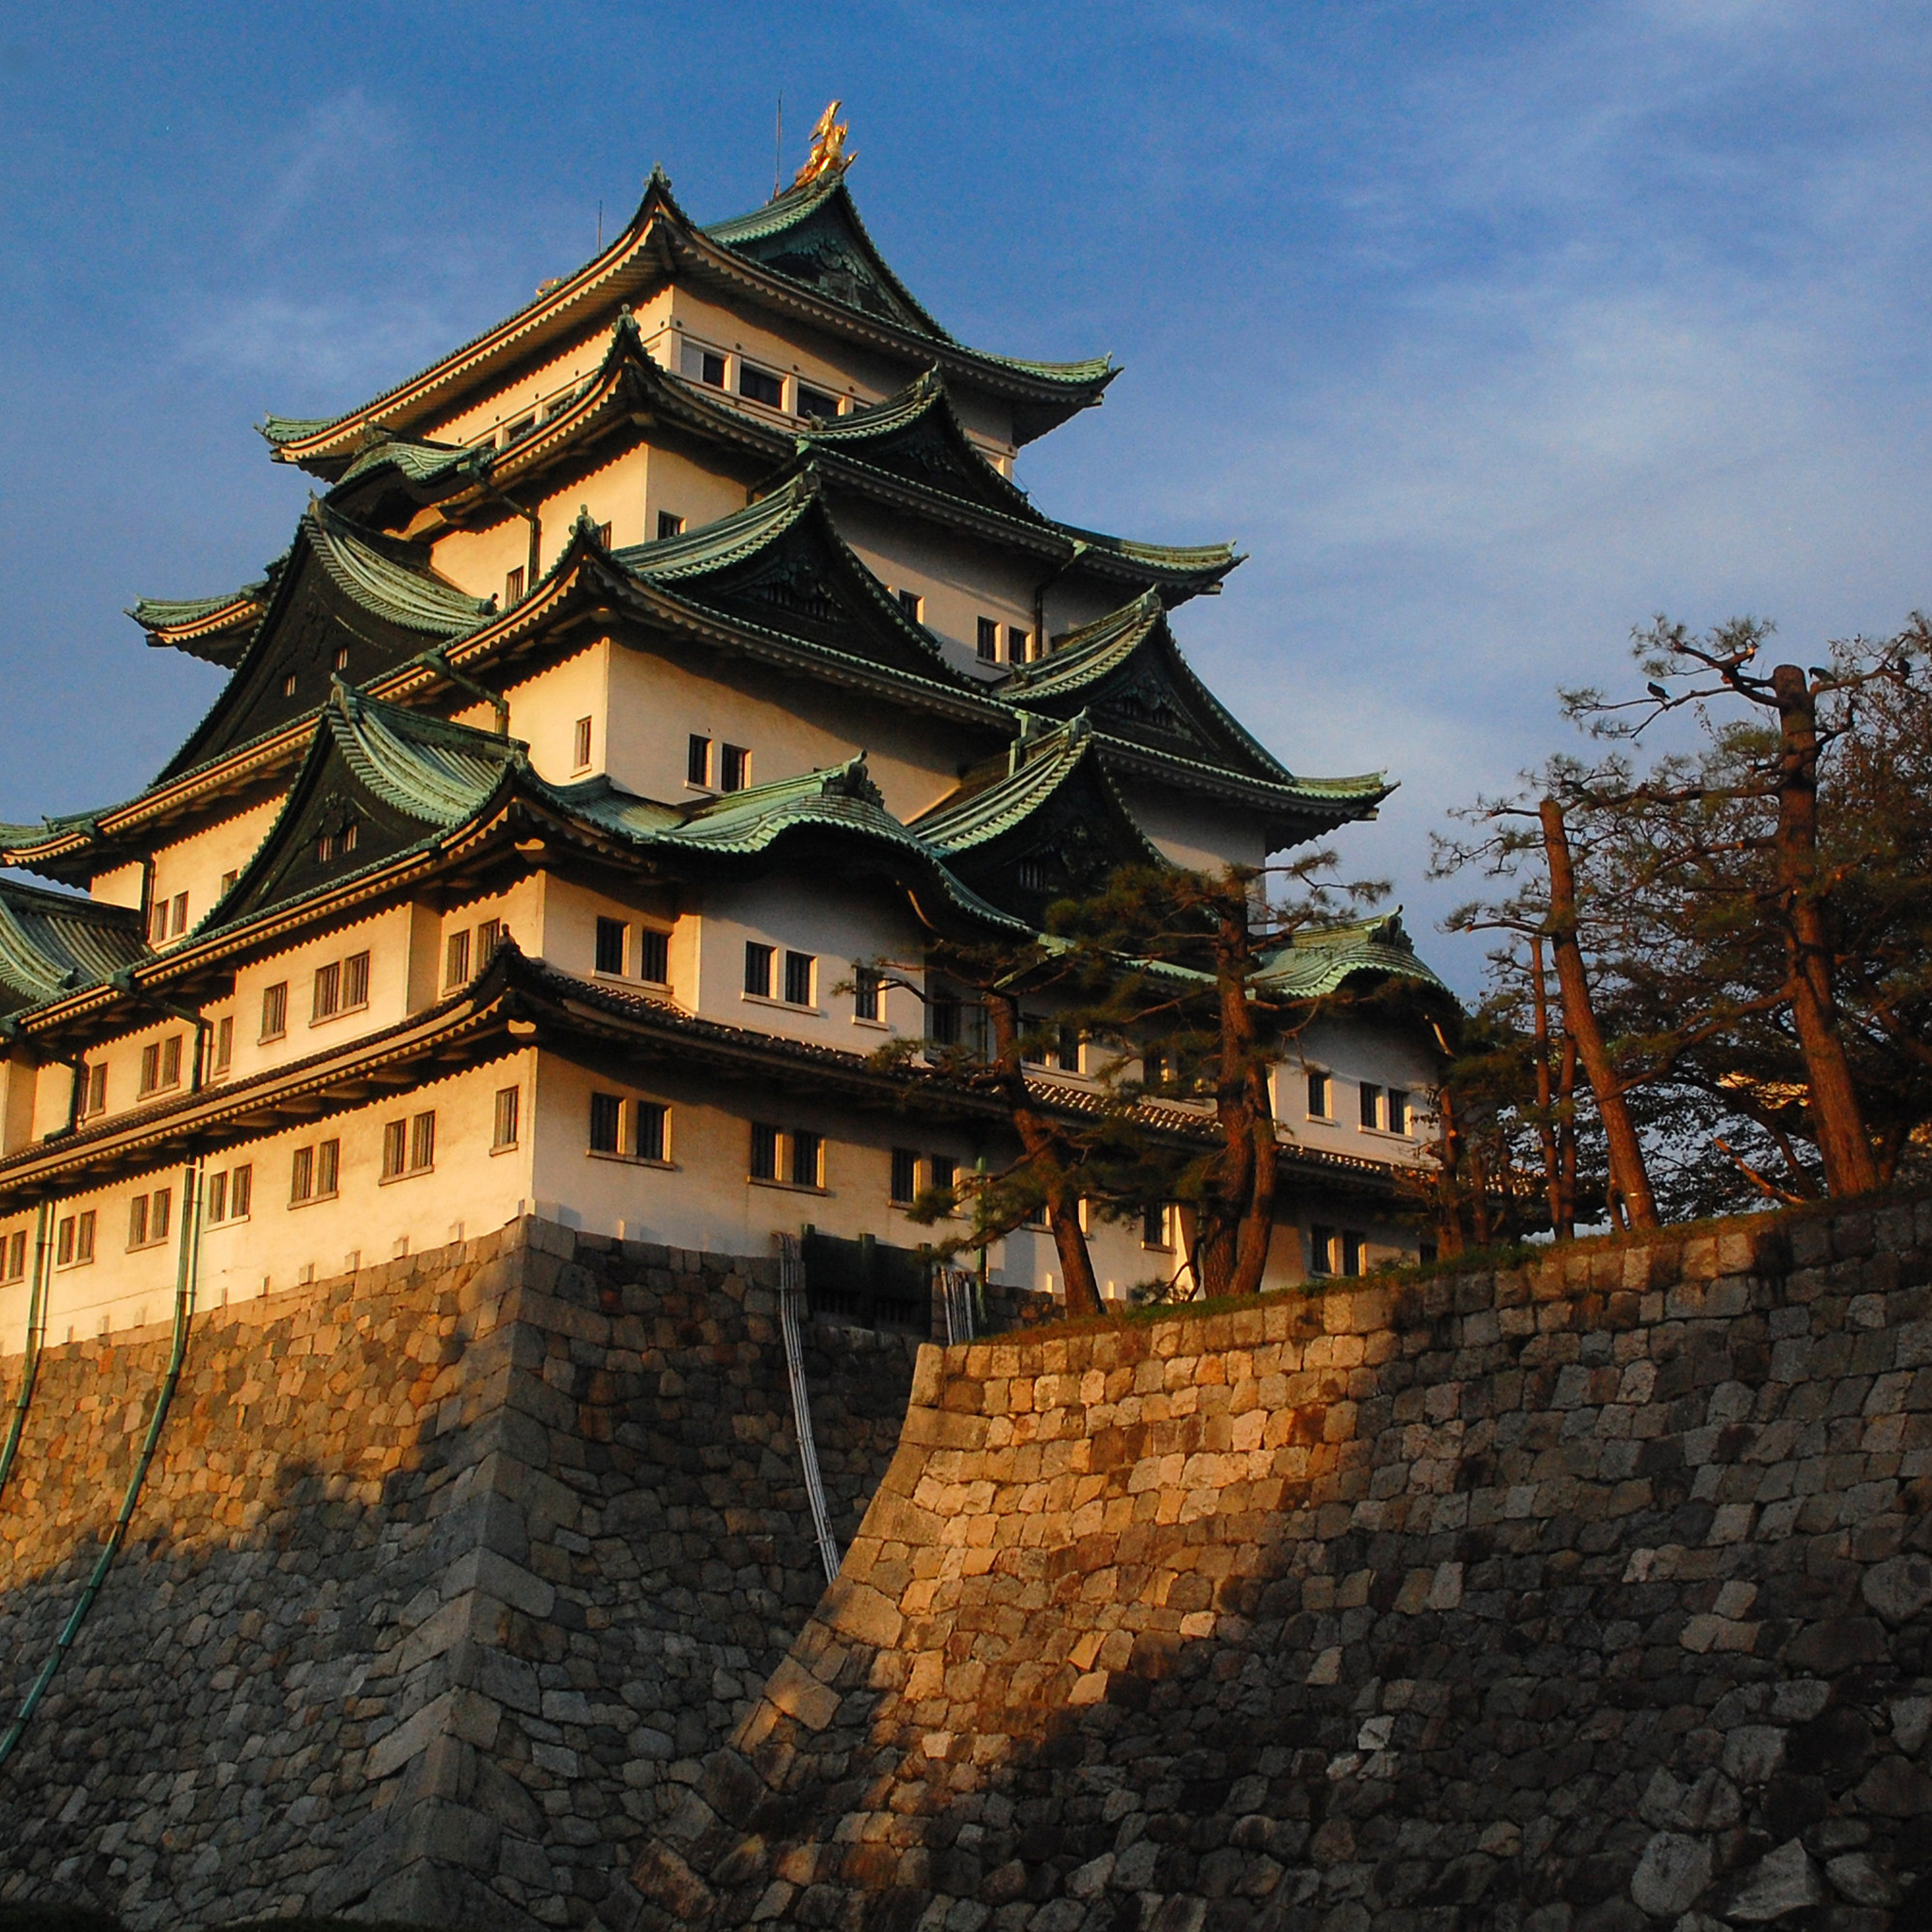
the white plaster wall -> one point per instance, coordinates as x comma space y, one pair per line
1193, 832
1351, 1052
545, 709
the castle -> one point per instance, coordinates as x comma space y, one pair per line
642, 669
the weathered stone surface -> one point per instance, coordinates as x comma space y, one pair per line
1782, 1881
445, 1577
1671, 1875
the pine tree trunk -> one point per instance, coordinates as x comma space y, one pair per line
1627, 1172
1843, 1143
1046, 1149
1241, 1204
1452, 1236
1545, 1098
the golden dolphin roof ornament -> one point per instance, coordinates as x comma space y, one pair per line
828, 156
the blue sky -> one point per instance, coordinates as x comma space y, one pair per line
1487, 330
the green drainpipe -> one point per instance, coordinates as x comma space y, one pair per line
36, 1335
187, 1278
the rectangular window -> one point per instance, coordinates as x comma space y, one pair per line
669, 525
816, 404
489, 936
1320, 1250
1019, 644
610, 936
355, 982
735, 768
177, 921
807, 1157
137, 1222
274, 1010
989, 641
63, 1243
1066, 1050
302, 1177
513, 586
171, 1060
697, 762
241, 1192
218, 1196
157, 922
868, 993
905, 1183
654, 956
944, 1171
712, 368
422, 1142
580, 746
1371, 1106
95, 1087
911, 602
1398, 1111
16, 1256
503, 1131
607, 1124
329, 1168
84, 1236
329, 991
408, 1146
1319, 1101
336, 841
160, 1213
1153, 1226
395, 1149
228, 884
651, 1137
757, 969
150, 1068
225, 1042
942, 1020
798, 978
764, 1152
1352, 1246
455, 958
604, 535
760, 385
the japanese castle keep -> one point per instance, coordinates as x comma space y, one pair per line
413, 1084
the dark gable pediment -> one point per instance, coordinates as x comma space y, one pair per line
929, 453
828, 253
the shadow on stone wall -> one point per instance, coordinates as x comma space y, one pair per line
1511, 1600
446, 1576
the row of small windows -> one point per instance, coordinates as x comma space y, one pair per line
459, 947
1336, 1250
1381, 1110
627, 952
713, 368
716, 768
799, 982
631, 1130
1019, 642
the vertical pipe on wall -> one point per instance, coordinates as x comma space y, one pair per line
36, 1335
187, 1278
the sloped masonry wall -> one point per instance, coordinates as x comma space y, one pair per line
1584, 1599
447, 1574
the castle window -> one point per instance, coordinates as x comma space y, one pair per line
649, 1121
807, 1159
231, 1194
669, 525
799, 974
703, 365
942, 1020
868, 993
1352, 1246
816, 404
340, 986
274, 1010
757, 969
336, 841
343, 658
408, 1147
604, 535
148, 1216
95, 1089
74, 1240
697, 762
905, 1182
760, 385
790, 1156
1156, 1223
16, 1256
225, 1042
160, 1065
455, 958
1034, 877
1066, 1050
764, 1152
607, 1123
912, 604
228, 884
289, 684
315, 1173
177, 921
1320, 1250
610, 936
580, 746
944, 1171
654, 956
1373, 1116
989, 641
489, 935
1400, 1119
1019, 644
514, 432
505, 1120
1321, 1100
513, 586
735, 773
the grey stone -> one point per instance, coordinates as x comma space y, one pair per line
1782, 1881
1671, 1873
1754, 1752
1855, 1876
1900, 1587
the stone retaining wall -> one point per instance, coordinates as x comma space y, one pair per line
446, 1575
1585, 1599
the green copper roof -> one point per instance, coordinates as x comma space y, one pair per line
163, 613
52, 943
1322, 960
417, 459
435, 771
281, 429
416, 599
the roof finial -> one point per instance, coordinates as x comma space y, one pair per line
828, 156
